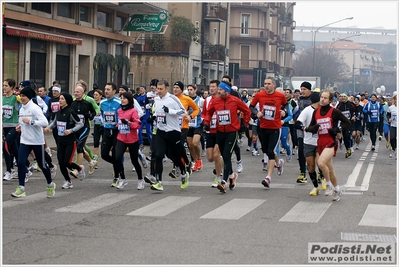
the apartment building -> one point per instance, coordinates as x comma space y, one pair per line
261, 42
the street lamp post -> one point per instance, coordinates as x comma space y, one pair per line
314, 38
329, 51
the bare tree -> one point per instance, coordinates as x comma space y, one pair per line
329, 65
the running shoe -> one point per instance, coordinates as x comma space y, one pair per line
222, 187
199, 164
248, 148
215, 183
302, 178
48, 150
140, 185
150, 179
337, 195
280, 167
239, 166
121, 183
380, 138
27, 176
14, 174
144, 162
203, 153
323, 184
255, 153
329, 190
18, 192
81, 173
288, 158
7, 176
266, 182
158, 186
51, 190
115, 182
133, 169
341, 145
74, 173
67, 185
92, 165
173, 173
195, 168
314, 192
373, 148
357, 147
233, 181
189, 167
35, 166
53, 171
264, 166
348, 153
184, 181
387, 144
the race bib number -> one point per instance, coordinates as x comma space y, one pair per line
374, 113
193, 122
213, 122
325, 124
269, 112
123, 128
180, 122
7, 111
161, 119
394, 118
346, 113
223, 117
110, 117
97, 119
61, 127
82, 118
55, 106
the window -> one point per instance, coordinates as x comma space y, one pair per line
15, 4
120, 22
119, 50
84, 14
103, 19
44, 7
65, 10
244, 56
102, 47
245, 24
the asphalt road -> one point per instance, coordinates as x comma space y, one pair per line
94, 223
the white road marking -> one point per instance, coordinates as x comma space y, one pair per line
306, 212
380, 215
234, 209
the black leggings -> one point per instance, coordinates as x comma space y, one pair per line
97, 133
134, 158
108, 145
23, 154
65, 155
10, 147
168, 140
270, 138
392, 139
153, 148
226, 142
373, 126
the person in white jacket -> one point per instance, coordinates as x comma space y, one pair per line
31, 123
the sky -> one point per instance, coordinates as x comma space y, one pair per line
366, 14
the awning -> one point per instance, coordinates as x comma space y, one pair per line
42, 35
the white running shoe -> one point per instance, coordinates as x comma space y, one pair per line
329, 190
67, 185
239, 166
53, 171
7, 176
27, 176
81, 173
121, 183
140, 185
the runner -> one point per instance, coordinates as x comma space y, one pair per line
392, 115
373, 109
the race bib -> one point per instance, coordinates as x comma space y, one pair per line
61, 127
346, 113
82, 118
110, 117
97, 119
223, 117
180, 122
269, 112
374, 113
325, 124
55, 106
7, 111
213, 122
161, 119
123, 128
394, 118
193, 122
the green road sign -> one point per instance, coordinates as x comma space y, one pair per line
147, 22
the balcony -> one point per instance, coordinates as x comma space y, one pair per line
215, 13
161, 45
214, 53
256, 63
258, 34
261, 6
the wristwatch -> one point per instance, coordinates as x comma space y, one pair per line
32, 122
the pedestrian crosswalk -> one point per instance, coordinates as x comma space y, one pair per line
311, 211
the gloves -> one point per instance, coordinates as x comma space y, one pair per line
206, 127
315, 128
151, 119
148, 106
333, 131
125, 121
369, 112
254, 117
166, 109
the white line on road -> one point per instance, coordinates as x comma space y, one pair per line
164, 206
95, 203
29, 199
379, 215
234, 209
306, 212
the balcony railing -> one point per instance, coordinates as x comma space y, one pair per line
162, 45
215, 52
215, 12
256, 63
262, 6
257, 33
